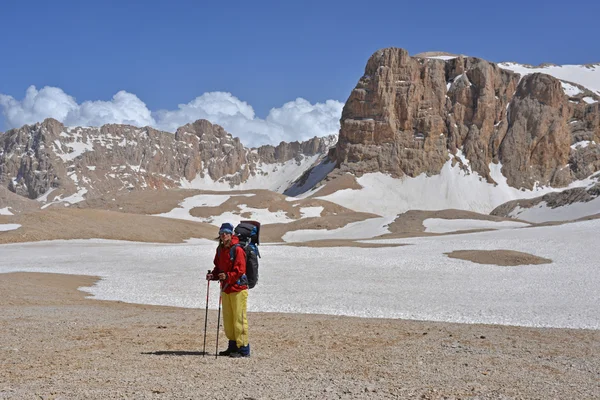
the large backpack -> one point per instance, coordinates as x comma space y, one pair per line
249, 234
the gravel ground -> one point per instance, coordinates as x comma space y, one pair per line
57, 344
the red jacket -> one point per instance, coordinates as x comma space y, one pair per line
234, 270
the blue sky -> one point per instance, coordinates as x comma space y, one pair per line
264, 53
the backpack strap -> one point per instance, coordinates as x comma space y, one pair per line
243, 279
232, 252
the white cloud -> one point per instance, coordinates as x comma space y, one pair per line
301, 119
36, 106
295, 120
124, 108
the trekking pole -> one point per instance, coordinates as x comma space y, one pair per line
206, 316
218, 324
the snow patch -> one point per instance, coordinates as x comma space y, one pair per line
274, 177
67, 201
311, 212
76, 197
442, 57
77, 148
569, 89
44, 197
9, 227
582, 145
182, 211
587, 76
451, 188
5, 211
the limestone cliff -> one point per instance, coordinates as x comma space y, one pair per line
408, 115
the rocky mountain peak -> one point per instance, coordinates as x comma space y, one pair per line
410, 115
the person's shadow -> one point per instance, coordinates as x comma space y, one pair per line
177, 353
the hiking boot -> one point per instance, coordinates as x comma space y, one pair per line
231, 348
243, 351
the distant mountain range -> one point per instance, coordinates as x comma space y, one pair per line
434, 131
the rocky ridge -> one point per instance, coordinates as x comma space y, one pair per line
52, 161
410, 115
554, 200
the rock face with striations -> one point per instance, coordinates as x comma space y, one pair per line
75, 162
409, 115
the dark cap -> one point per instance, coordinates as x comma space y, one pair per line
226, 228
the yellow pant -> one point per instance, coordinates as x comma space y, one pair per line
235, 322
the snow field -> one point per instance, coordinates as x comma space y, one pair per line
416, 281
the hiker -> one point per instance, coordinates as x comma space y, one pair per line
231, 272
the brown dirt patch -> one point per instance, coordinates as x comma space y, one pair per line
69, 223
145, 202
57, 344
16, 203
498, 257
72, 223
338, 182
42, 288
